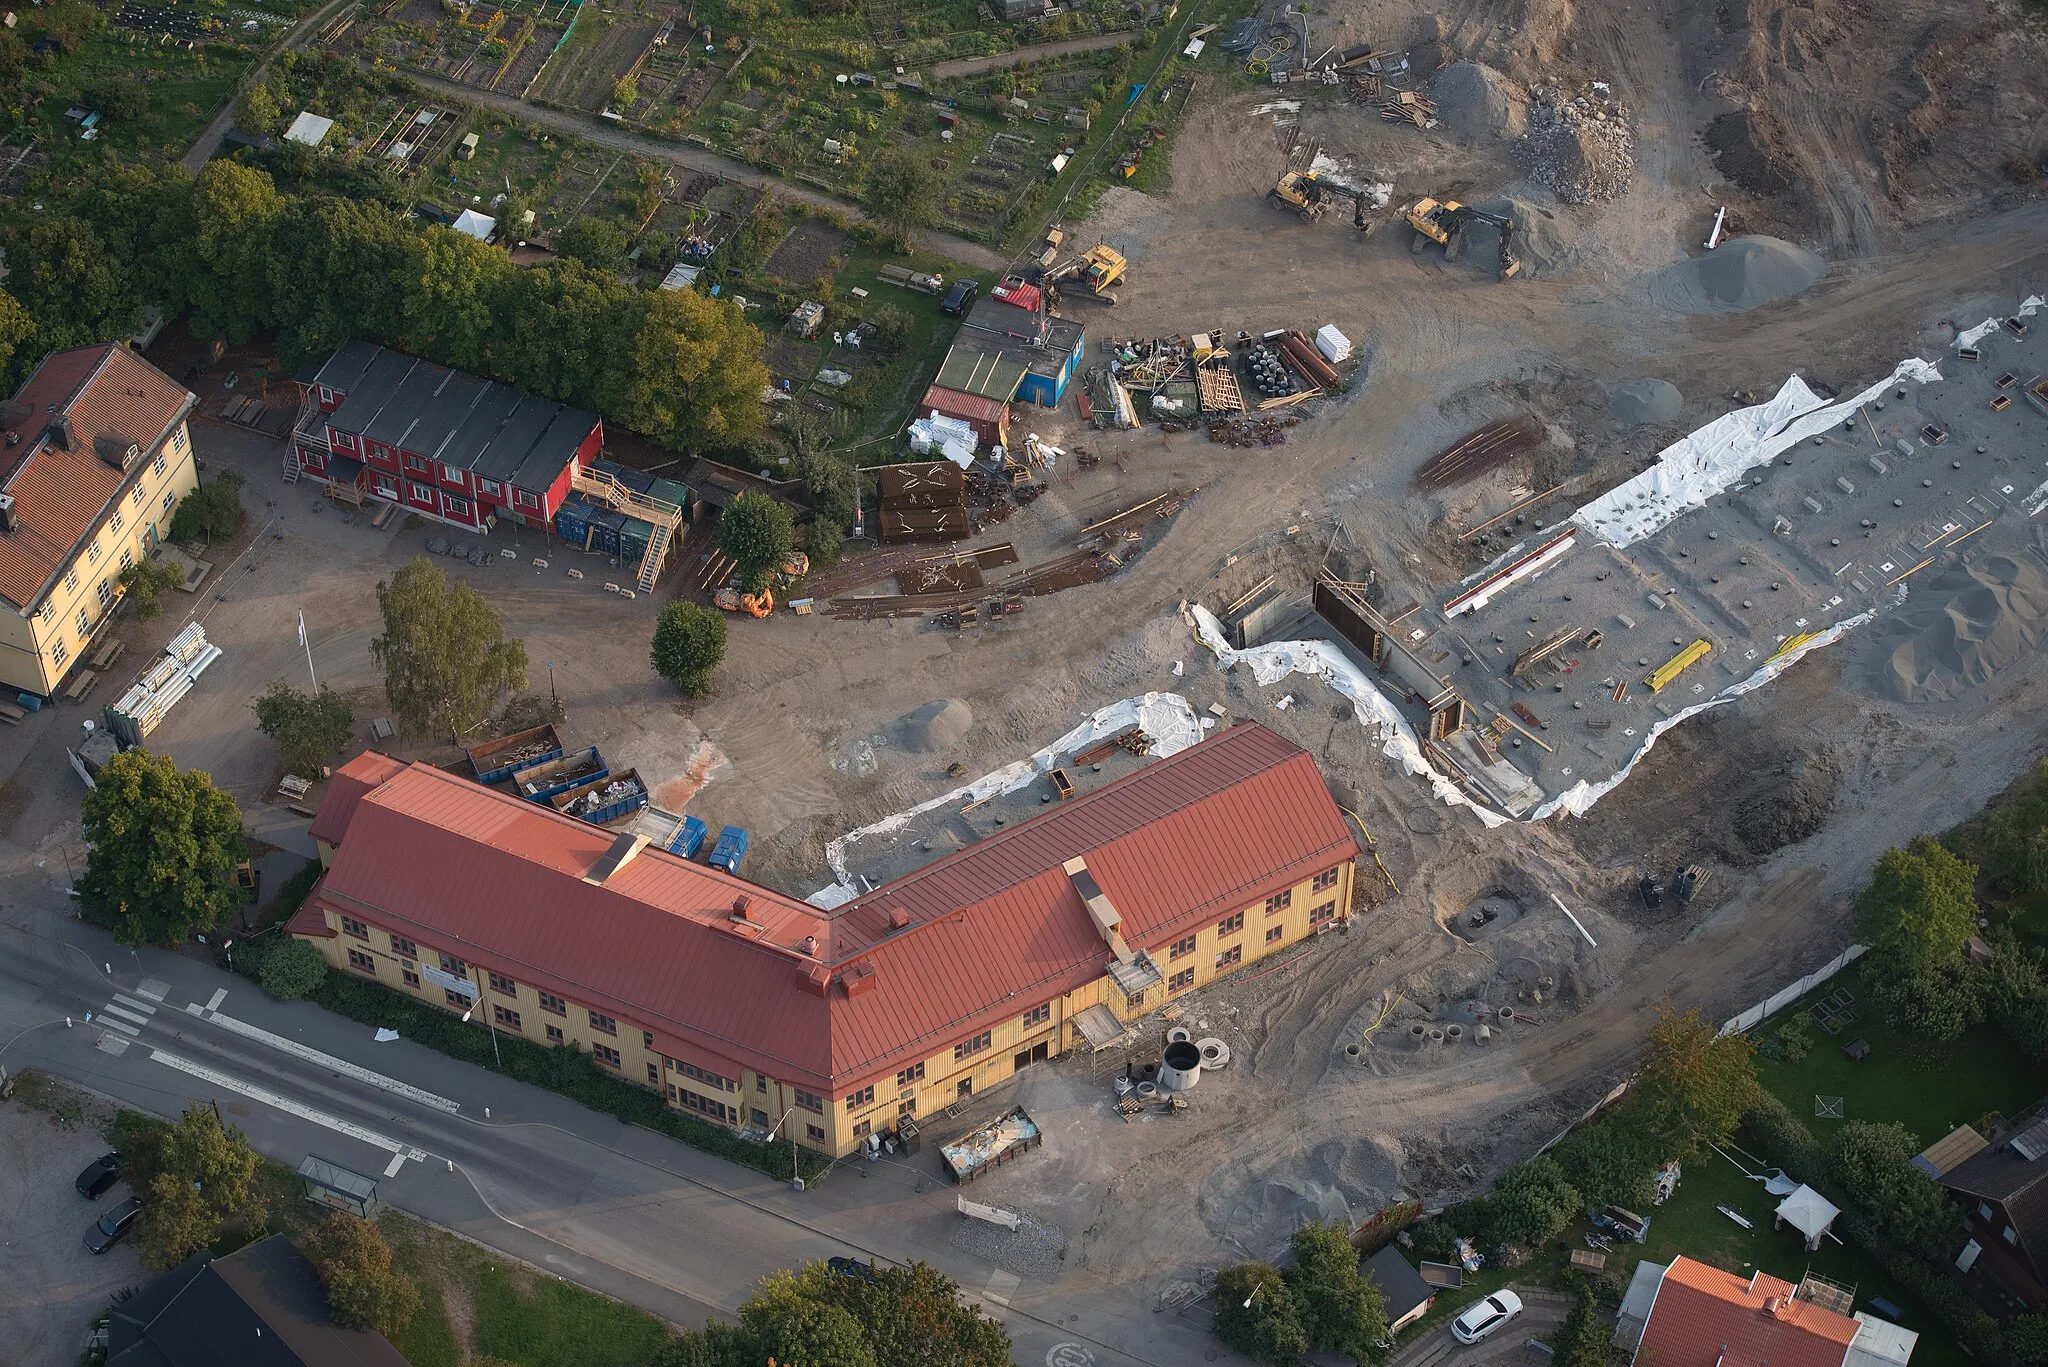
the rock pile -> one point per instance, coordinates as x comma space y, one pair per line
1578, 145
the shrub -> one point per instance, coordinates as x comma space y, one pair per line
689, 641
290, 968
211, 512
144, 584
364, 1291
1531, 1204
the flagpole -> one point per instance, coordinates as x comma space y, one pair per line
309, 652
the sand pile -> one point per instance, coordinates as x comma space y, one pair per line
1742, 273
1542, 239
1641, 401
1578, 144
1958, 631
1475, 101
938, 725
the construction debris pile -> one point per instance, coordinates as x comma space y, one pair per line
1245, 432
1578, 145
1188, 378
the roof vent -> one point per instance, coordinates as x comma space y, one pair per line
814, 979
743, 908
860, 978
808, 945
2032, 1142
898, 918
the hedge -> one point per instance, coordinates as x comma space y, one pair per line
1772, 1132
566, 1071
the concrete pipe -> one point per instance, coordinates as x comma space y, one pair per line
1215, 1054
1179, 1034
1148, 1091
1454, 1033
1507, 1013
1354, 1052
1183, 1067
1483, 1035
1436, 1037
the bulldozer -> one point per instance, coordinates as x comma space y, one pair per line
1443, 222
730, 599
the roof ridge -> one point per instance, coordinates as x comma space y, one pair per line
92, 377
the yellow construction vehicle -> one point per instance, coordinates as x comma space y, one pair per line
1443, 222
730, 599
1303, 193
1101, 268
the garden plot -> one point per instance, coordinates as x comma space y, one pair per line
602, 52
809, 254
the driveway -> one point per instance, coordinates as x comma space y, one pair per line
1542, 1312
54, 1287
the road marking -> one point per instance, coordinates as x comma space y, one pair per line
1001, 1286
144, 1007
329, 1061
122, 1026
116, 1045
281, 1103
1069, 1355
153, 988
220, 995
397, 1162
111, 1010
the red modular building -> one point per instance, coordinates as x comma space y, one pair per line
450, 446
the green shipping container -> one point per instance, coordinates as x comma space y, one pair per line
633, 539
669, 491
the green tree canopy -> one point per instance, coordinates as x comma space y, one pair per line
758, 533
308, 727
364, 1290
17, 330
1873, 1167
1341, 1310
1257, 1314
1693, 1086
1919, 909
163, 849
818, 1318
1531, 1203
1582, 1340
596, 242
76, 289
211, 512
902, 193
691, 374
144, 584
289, 968
205, 1176
1612, 1161
2016, 993
689, 641
444, 652
228, 239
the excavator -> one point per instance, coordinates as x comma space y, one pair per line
1101, 268
1443, 222
1308, 195
731, 599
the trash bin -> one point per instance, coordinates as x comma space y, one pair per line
906, 1133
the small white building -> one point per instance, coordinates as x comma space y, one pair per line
309, 128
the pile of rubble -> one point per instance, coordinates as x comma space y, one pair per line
1578, 145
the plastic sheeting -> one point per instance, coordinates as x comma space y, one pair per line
1696, 467
1166, 717
1972, 336
1580, 797
948, 437
1275, 660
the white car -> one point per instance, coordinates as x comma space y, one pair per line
1483, 1317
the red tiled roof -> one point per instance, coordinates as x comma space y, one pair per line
992, 930
61, 494
346, 789
1703, 1316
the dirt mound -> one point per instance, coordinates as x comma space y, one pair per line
1579, 144
938, 725
1962, 629
1783, 805
1749, 147
1741, 274
1641, 401
1543, 241
1475, 101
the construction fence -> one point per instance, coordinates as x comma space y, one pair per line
1791, 992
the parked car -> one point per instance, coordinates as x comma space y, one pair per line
960, 298
100, 1174
1483, 1317
852, 1267
110, 1228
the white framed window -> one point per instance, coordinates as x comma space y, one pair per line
114, 522
92, 550
157, 467
105, 593
419, 493
127, 559
48, 610
326, 394
59, 653
456, 507
136, 496
451, 475
385, 486
84, 623
491, 487
71, 580
178, 439
527, 500
170, 500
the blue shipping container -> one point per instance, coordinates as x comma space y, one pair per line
730, 849
689, 837
572, 524
604, 530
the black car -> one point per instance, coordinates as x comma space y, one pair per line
100, 1174
852, 1267
109, 1228
960, 297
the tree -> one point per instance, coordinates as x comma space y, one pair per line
290, 969
258, 111
819, 1318
211, 512
1341, 1311
1873, 1166
122, 99
1612, 1161
308, 727
144, 583
1694, 1087
715, 1345
75, 288
1531, 1203
804, 1333
596, 242
2028, 1337
2016, 994
364, 1291
227, 236
689, 641
829, 481
1582, 1340
448, 283
758, 534
444, 652
205, 1177
1919, 909
163, 849
2013, 841
690, 373
625, 90
902, 193
16, 329
1256, 1313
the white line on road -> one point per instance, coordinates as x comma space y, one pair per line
122, 1026
281, 1103
144, 1007
153, 988
220, 995
111, 1010
339, 1065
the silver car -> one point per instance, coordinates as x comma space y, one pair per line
1483, 1317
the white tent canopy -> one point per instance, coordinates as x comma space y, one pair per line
1809, 1212
476, 225
309, 128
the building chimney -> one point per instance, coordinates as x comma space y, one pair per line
62, 432
7, 523
742, 908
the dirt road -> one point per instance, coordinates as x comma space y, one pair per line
1003, 61
210, 139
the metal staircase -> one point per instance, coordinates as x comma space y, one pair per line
292, 466
657, 513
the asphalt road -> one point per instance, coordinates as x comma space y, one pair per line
613, 1207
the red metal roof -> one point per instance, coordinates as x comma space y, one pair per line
62, 493
991, 930
346, 789
1703, 1316
972, 407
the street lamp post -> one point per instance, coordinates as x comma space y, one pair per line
475, 1005
795, 1178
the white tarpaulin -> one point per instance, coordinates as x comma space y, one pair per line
1696, 467
1580, 797
1275, 660
1167, 718
1972, 336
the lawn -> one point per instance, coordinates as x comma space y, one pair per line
1982, 1075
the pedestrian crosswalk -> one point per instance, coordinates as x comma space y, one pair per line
126, 1016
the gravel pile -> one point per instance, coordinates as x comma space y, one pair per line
1741, 274
1578, 145
1035, 1249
